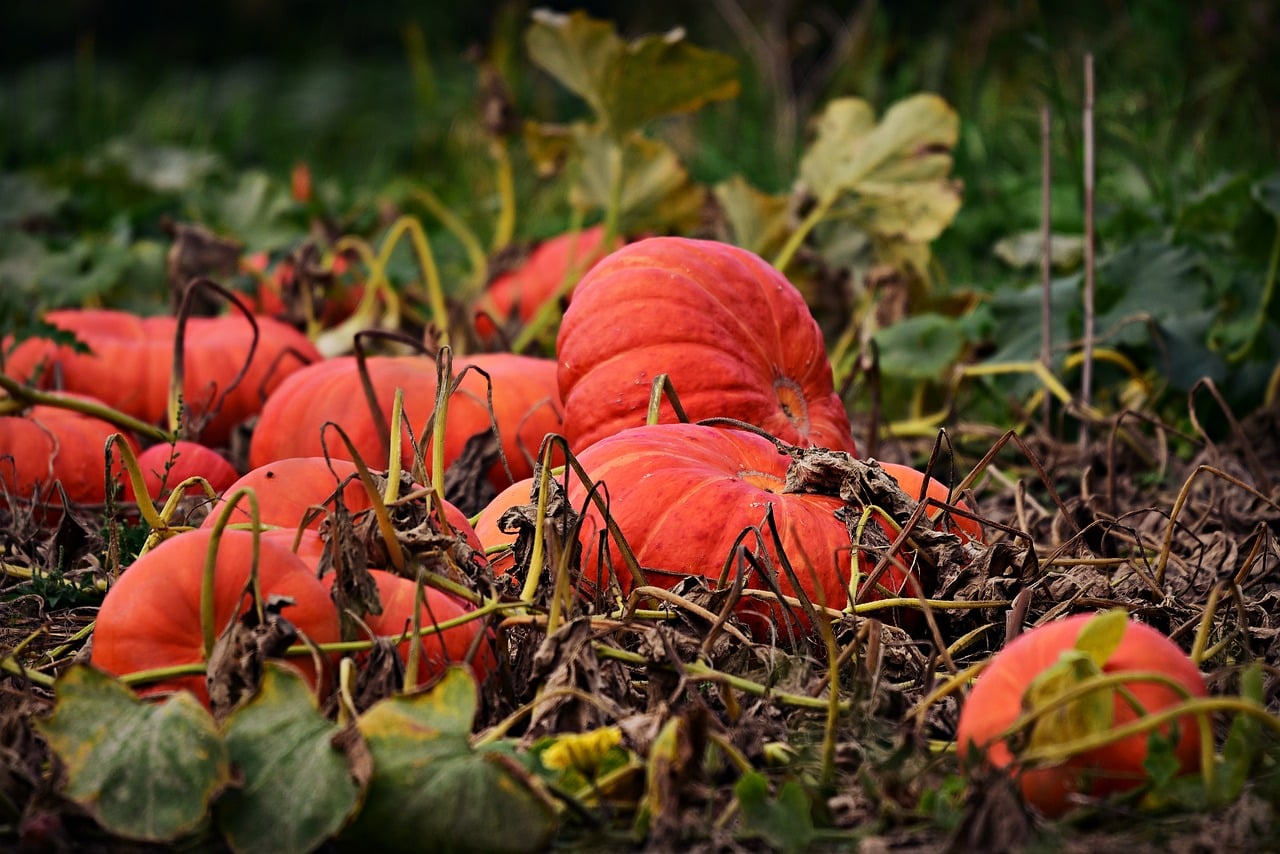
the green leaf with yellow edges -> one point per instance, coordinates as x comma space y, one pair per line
146, 771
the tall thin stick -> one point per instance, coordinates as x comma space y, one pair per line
1086, 371
1046, 257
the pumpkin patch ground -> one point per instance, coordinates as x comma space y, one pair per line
632, 472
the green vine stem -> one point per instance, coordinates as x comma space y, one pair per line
28, 396
444, 388
393, 457
1264, 304
208, 630
550, 308
505, 228
536, 552
177, 375
461, 231
613, 213
785, 255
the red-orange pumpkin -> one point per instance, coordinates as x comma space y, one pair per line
131, 356
524, 290
287, 489
735, 337
165, 466
525, 404
486, 523
150, 617
996, 702
911, 479
49, 444
440, 649
682, 493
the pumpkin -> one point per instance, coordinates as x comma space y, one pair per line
486, 524
525, 404
682, 493
440, 649
521, 292
289, 488
997, 699
734, 336
50, 444
129, 364
165, 466
910, 480
150, 618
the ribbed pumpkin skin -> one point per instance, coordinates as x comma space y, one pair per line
524, 399
128, 367
735, 337
287, 489
150, 617
996, 702
681, 493
50, 444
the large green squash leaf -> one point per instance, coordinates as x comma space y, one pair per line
145, 771
432, 791
298, 787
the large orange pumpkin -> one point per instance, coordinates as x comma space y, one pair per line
129, 364
150, 617
735, 337
682, 493
525, 404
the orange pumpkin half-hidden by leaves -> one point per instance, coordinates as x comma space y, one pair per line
439, 648
150, 618
734, 336
1053, 658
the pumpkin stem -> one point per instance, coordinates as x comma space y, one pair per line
385, 526
177, 375
460, 230
662, 386
208, 631
28, 396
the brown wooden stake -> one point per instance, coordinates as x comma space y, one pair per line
1046, 257
1086, 371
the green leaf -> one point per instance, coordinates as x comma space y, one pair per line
921, 347
1267, 193
897, 168
430, 787
1091, 713
758, 221
657, 193
1240, 749
146, 772
785, 823
26, 199
1025, 251
628, 85
1100, 637
276, 739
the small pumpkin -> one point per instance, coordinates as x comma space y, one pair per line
734, 336
150, 618
486, 524
165, 466
48, 445
288, 489
997, 700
